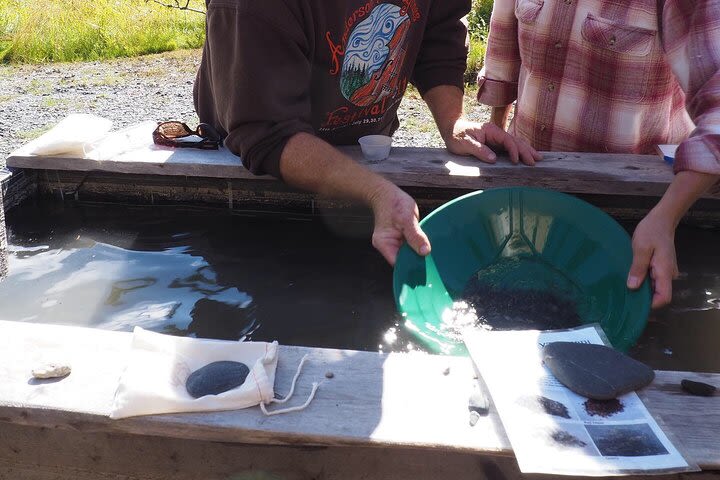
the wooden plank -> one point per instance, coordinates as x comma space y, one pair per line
21, 185
592, 173
374, 400
274, 198
43, 454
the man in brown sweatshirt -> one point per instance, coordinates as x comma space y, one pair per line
285, 80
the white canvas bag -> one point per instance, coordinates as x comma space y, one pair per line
158, 366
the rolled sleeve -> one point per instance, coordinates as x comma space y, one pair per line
498, 80
495, 93
691, 39
442, 59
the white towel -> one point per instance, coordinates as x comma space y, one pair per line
72, 136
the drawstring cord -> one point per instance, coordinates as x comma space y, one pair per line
310, 398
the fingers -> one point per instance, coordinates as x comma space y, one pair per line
388, 248
396, 221
416, 238
640, 265
662, 276
389, 243
479, 150
528, 155
662, 271
494, 135
518, 150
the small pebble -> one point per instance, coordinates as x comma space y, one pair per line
474, 417
446, 372
51, 370
329, 375
698, 388
478, 403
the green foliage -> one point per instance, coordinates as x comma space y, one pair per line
72, 30
479, 18
476, 57
478, 26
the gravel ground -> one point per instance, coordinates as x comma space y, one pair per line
128, 91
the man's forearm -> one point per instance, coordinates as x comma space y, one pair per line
446, 104
686, 188
312, 164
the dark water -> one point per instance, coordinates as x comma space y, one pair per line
301, 282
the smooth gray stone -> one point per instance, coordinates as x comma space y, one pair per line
215, 378
595, 371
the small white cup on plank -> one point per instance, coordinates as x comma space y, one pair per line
375, 148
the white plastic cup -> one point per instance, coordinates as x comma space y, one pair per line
375, 148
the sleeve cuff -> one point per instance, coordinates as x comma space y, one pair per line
496, 93
699, 154
260, 152
439, 76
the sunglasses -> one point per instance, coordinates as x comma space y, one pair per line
179, 135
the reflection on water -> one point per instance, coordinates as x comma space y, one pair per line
685, 335
296, 281
199, 274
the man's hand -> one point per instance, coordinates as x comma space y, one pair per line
475, 139
396, 221
312, 164
463, 137
654, 252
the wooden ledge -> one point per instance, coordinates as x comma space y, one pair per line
582, 173
374, 400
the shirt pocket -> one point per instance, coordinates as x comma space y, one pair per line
622, 61
527, 13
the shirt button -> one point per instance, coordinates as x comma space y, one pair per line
551, 87
543, 127
558, 45
612, 41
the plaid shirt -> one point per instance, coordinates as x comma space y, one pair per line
599, 75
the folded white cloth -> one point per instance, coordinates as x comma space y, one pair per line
154, 379
115, 144
72, 136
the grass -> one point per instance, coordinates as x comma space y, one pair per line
81, 30
476, 57
74, 30
478, 27
34, 133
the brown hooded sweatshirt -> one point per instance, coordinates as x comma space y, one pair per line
337, 69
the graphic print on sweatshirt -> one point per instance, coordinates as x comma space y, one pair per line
372, 75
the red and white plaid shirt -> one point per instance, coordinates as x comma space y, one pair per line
598, 75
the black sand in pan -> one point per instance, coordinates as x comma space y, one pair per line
500, 308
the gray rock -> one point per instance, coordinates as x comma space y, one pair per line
216, 378
478, 403
595, 371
